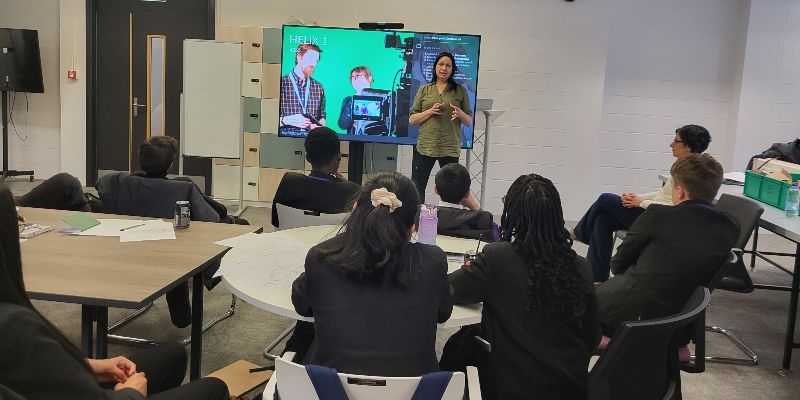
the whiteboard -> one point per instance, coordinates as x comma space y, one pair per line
212, 98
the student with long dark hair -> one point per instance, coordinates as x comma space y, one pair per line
38, 362
375, 297
540, 312
440, 108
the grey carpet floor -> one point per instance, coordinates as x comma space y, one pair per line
758, 318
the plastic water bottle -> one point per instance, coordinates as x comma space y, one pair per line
792, 201
428, 221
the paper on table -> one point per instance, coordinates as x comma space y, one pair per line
734, 176
110, 227
152, 230
267, 244
252, 269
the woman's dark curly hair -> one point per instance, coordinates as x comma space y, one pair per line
533, 222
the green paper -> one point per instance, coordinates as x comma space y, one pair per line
80, 221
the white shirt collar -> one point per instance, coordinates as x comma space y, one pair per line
443, 203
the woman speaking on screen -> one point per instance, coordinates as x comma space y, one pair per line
439, 109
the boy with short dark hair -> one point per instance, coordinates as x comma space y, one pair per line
459, 213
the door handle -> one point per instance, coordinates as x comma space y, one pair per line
136, 106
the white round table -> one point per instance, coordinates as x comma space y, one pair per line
279, 300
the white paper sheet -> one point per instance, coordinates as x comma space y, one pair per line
152, 230
734, 176
253, 269
110, 227
276, 244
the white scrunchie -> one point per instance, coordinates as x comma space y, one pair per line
385, 197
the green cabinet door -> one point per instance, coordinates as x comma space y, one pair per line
380, 157
251, 120
278, 152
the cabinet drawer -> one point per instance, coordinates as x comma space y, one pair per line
272, 45
281, 153
225, 182
252, 44
269, 116
271, 83
380, 157
251, 79
251, 149
251, 120
269, 179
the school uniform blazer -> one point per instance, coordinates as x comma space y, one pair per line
314, 192
669, 251
379, 328
531, 356
35, 366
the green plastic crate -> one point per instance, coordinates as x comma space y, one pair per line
765, 189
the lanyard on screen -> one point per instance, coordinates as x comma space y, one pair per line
303, 102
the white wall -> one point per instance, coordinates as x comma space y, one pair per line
73, 92
669, 64
770, 96
542, 61
36, 142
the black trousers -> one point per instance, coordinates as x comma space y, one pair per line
421, 166
165, 367
60, 192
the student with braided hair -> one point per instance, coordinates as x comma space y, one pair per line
540, 313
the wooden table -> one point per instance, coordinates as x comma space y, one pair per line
100, 272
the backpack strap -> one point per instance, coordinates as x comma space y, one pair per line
432, 386
326, 383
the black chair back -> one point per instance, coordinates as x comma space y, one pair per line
641, 361
747, 213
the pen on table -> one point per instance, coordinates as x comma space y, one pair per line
131, 227
252, 370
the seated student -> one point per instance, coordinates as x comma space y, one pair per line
38, 362
121, 192
375, 296
611, 212
539, 308
669, 251
324, 189
156, 157
459, 213
59, 192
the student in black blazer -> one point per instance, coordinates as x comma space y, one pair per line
323, 190
459, 214
38, 362
375, 297
670, 250
539, 308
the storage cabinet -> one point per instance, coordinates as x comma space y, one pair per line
282, 153
251, 80
266, 156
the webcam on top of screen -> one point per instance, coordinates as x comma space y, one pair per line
381, 26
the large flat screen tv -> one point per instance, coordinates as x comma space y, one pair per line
368, 80
20, 63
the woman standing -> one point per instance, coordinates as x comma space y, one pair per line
375, 297
38, 362
540, 313
439, 108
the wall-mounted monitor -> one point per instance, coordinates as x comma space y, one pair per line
361, 83
20, 62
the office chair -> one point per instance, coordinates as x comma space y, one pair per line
641, 361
